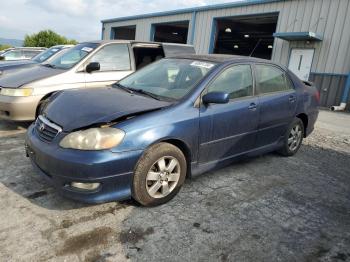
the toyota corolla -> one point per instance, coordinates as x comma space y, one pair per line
173, 119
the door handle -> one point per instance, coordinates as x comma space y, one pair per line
292, 99
252, 107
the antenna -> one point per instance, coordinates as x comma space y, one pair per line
255, 46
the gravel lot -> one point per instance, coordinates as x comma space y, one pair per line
267, 208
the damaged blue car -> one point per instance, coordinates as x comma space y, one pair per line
176, 118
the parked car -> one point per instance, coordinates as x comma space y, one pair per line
175, 118
5, 50
100, 63
20, 53
44, 56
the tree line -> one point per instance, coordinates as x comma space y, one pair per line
44, 38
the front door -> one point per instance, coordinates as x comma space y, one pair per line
114, 62
229, 129
300, 62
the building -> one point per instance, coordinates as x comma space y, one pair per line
311, 37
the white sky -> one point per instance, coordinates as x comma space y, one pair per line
78, 19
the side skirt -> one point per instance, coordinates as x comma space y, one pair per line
198, 169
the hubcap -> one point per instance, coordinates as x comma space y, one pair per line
163, 177
294, 138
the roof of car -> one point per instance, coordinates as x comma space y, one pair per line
130, 42
219, 58
61, 46
25, 48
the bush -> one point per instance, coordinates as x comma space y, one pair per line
2, 47
46, 38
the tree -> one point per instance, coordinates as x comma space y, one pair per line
46, 38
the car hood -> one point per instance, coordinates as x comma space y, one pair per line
16, 63
76, 109
27, 75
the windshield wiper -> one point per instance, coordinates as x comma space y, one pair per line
123, 87
143, 92
139, 91
49, 65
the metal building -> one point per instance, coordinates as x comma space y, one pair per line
311, 37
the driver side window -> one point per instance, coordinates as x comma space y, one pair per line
237, 81
114, 57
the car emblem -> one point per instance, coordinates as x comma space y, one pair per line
42, 127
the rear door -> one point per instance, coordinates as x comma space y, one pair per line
229, 129
115, 64
277, 100
177, 49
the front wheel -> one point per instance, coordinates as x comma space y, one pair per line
293, 138
159, 175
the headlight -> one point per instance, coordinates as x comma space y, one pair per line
93, 139
16, 91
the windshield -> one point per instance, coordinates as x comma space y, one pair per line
43, 56
168, 78
73, 56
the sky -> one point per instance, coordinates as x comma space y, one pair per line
78, 19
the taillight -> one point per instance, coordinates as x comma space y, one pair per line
317, 96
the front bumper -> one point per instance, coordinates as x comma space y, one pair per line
18, 108
60, 167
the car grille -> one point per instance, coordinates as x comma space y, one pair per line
46, 130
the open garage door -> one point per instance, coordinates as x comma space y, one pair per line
175, 32
124, 33
247, 35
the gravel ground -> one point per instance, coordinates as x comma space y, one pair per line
268, 208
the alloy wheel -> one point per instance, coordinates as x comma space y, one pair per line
163, 177
295, 137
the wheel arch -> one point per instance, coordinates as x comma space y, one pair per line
180, 144
304, 118
41, 100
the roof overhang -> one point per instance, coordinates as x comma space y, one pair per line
299, 36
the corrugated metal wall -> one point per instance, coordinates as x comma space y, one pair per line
331, 88
328, 18
143, 26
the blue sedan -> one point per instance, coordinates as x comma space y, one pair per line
173, 119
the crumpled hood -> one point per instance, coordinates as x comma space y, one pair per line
27, 75
75, 109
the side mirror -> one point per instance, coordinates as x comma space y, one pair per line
2, 57
93, 66
216, 98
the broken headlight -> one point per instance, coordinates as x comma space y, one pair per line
93, 139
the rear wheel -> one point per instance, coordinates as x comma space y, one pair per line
159, 175
293, 138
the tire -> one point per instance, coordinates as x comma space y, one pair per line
159, 175
293, 138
